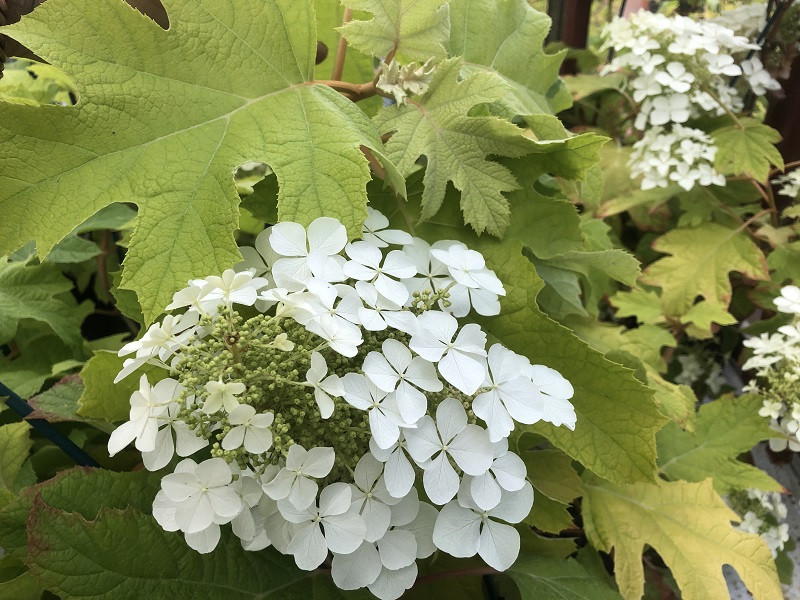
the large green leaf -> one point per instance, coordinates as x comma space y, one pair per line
164, 119
126, 554
701, 259
723, 430
506, 36
31, 292
747, 148
413, 29
542, 578
689, 526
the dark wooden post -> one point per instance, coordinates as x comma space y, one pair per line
570, 26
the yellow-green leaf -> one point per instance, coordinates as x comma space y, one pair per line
689, 526
747, 149
701, 258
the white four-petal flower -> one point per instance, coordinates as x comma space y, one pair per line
294, 481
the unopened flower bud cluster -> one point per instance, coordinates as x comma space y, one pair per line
763, 513
331, 399
776, 359
679, 69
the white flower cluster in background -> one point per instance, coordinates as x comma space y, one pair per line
776, 359
763, 513
747, 20
339, 409
789, 184
678, 69
681, 155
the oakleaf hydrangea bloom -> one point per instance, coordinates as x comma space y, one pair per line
763, 513
776, 360
322, 388
681, 155
679, 69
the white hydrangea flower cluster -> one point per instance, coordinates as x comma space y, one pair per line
763, 513
776, 358
340, 411
789, 184
680, 69
682, 155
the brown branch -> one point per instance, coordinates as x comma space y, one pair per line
766, 195
341, 48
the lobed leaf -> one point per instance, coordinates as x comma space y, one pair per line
689, 526
164, 119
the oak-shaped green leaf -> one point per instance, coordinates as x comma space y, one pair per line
748, 149
456, 146
701, 259
506, 37
645, 305
32, 292
723, 430
413, 29
701, 317
164, 119
689, 526
544, 578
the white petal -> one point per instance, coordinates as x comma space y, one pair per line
318, 462
122, 436
187, 442
471, 450
384, 428
234, 438
195, 513
377, 516
367, 472
204, 541
488, 406
303, 493
308, 547
411, 403
405, 511
344, 533
485, 491
457, 530
288, 239
398, 474
514, 506
225, 502
499, 545
510, 471
397, 549
423, 441
380, 372
162, 453
335, 499
164, 511
451, 419
326, 236
390, 585
463, 372
357, 569
281, 485
391, 288
440, 480
257, 440
422, 527
213, 472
